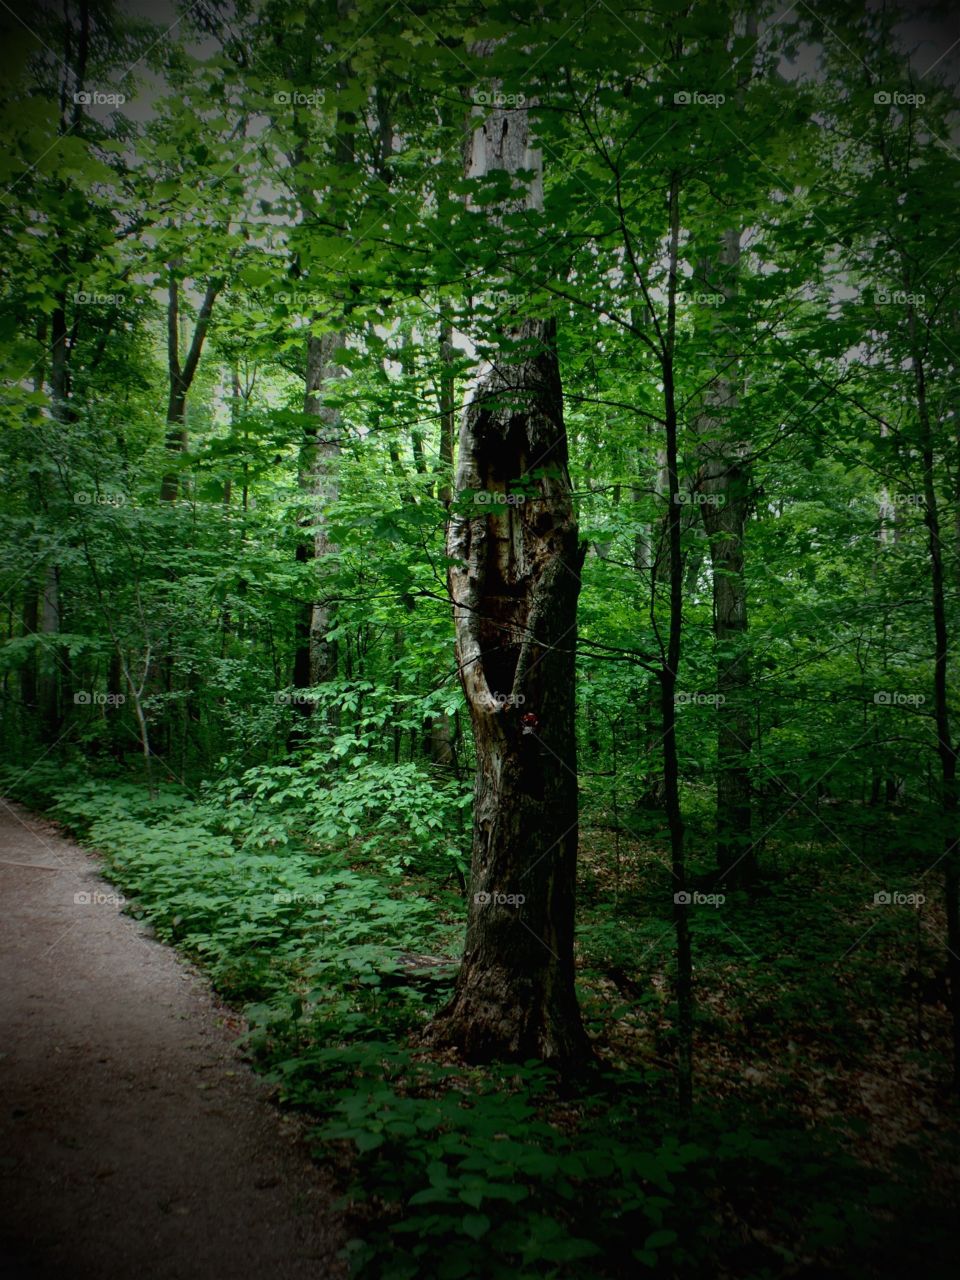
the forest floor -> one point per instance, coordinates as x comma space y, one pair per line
133, 1140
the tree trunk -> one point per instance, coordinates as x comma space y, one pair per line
28, 672
514, 582
725, 488
316, 658
668, 681
181, 377
325, 491
945, 749
50, 701
443, 750
447, 409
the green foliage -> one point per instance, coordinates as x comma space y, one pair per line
342, 796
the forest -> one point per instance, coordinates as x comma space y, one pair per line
480, 572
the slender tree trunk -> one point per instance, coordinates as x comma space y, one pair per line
51, 715
441, 731
448, 424
323, 651
725, 488
946, 751
181, 376
28, 672
315, 660
668, 683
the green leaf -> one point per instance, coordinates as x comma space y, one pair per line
475, 1225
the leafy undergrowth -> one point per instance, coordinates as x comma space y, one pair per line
809, 1043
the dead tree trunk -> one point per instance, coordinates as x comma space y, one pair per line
514, 583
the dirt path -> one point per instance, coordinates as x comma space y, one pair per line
133, 1143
